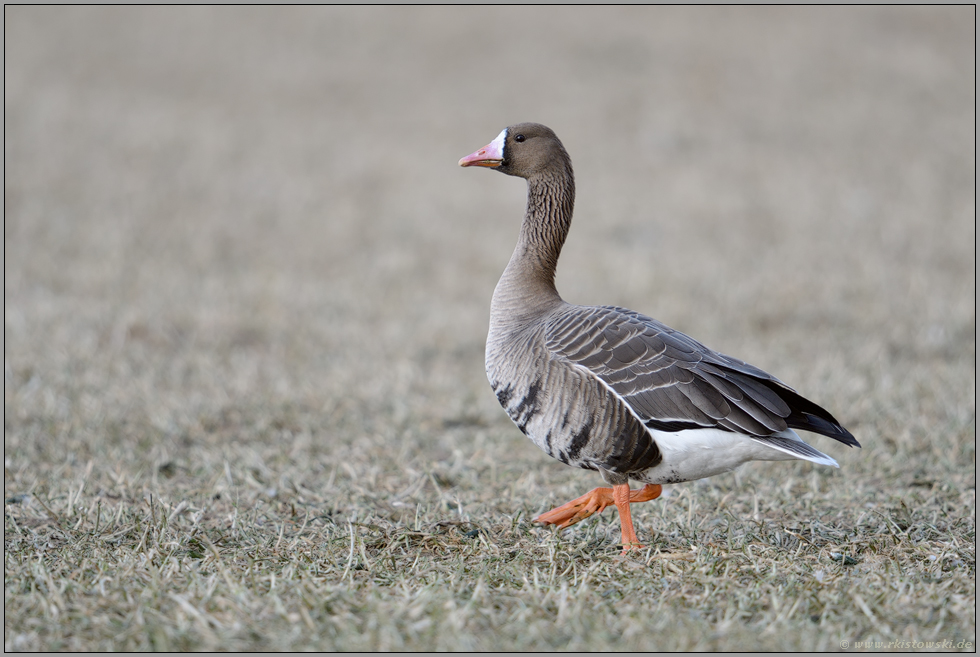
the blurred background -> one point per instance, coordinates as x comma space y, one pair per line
214, 213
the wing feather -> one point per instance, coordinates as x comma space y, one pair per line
670, 379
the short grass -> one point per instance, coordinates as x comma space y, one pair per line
246, 291
282, 549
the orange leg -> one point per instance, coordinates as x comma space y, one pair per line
598, 499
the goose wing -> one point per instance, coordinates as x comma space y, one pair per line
673, 382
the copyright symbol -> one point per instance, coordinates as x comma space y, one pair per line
844, 644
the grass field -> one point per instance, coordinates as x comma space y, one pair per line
246, 291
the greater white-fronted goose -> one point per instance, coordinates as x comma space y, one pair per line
608, 389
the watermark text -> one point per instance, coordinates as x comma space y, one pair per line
946, 644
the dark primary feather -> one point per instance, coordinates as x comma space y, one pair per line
674, 382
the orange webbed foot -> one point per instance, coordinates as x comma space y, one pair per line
578, 509
598, 499
623, 497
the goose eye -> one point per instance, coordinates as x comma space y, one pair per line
519, 138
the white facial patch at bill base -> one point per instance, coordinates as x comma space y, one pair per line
495, 149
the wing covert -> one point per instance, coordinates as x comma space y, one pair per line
669, 379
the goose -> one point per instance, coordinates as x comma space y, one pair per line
607, 389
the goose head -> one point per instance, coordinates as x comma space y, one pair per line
526, 150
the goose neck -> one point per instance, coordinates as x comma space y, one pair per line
528, 282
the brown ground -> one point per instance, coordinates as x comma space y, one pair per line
246, 290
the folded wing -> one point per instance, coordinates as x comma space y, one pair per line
673, 382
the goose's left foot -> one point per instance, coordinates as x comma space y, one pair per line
578, 509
